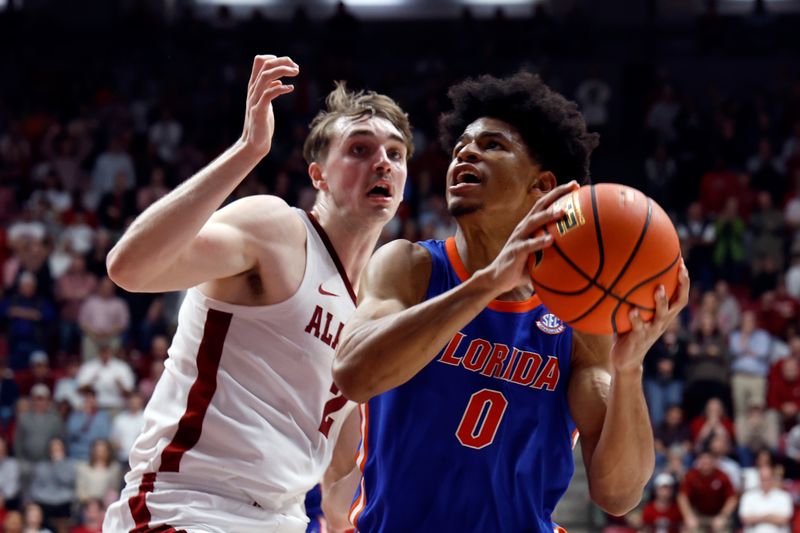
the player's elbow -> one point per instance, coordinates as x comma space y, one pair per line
123, 271
617, 502
351, 380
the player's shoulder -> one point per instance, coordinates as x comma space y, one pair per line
398, 268
400, 255
265, 216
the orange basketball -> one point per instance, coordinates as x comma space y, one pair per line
610, 251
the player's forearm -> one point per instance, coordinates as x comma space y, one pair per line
337, 496
156, 238
624, 458
378, 355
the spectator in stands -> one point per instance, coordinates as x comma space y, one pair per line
66, 150
793, 275
712, 422
750, 475
109, 377
78, 231
662, 514
92, 513
767, 229
110, 164
720, 447
767, 170
103, 318
729, 247
53, 485
72, 289
663, 371
729, 311
165, 136
86, 425
28, 319
706, 497
148, 384
9, 477
37, 427
13, 523
756, 430
750, 348
708, 368
768, 508
126, 426
672, 435
660, 169
9, 393
783, 386
38, 371
661, 116
779, 312
717, 187
100, 475
66, 392
34, 519
117, 206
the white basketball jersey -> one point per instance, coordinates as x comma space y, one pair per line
246, 406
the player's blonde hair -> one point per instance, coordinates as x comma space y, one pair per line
352, 104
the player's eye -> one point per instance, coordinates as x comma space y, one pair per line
358, 149
395, 155
492, 145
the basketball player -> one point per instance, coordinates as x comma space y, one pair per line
245, 417
473, 392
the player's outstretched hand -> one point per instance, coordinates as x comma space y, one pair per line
630, 348
509, 269
265, 85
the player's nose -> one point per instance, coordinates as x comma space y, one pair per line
468, 153
383, 162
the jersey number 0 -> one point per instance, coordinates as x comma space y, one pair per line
481, 418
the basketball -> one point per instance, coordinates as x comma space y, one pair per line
610, 251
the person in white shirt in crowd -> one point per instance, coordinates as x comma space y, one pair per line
749, 347
126, 426
768, 508
9, 476
110, 377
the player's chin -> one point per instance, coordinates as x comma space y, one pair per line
458, 207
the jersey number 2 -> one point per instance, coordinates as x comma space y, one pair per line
481, 418
331, 406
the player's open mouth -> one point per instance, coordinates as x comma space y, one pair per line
466, 174
380, 191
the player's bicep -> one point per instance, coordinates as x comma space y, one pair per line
589, 387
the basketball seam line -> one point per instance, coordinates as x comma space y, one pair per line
621, 272
643, 282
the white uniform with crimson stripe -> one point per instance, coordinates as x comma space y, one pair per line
245, 417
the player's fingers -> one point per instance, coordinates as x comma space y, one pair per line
528, 246
269, 62
681, 296
535, 220
637, 324
562, 190
269, 94
662, 305
268, 76
258, 62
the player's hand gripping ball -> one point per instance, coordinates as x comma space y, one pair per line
610, 251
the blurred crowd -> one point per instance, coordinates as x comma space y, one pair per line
88, 146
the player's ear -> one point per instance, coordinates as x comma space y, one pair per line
545, 182
317, 177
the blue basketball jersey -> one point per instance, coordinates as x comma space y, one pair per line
479, 440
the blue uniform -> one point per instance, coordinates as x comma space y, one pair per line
479, 440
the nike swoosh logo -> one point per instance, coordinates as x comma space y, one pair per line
324, 292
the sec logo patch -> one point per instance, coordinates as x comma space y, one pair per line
550, 324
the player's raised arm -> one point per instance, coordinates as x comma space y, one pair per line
608, 406
176, 243
392, 336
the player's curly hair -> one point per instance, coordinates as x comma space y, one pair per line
352, 104
551, 126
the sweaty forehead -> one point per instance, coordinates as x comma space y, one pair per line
495, 126
346, 127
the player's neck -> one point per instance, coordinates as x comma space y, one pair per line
353, 240
480, 241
